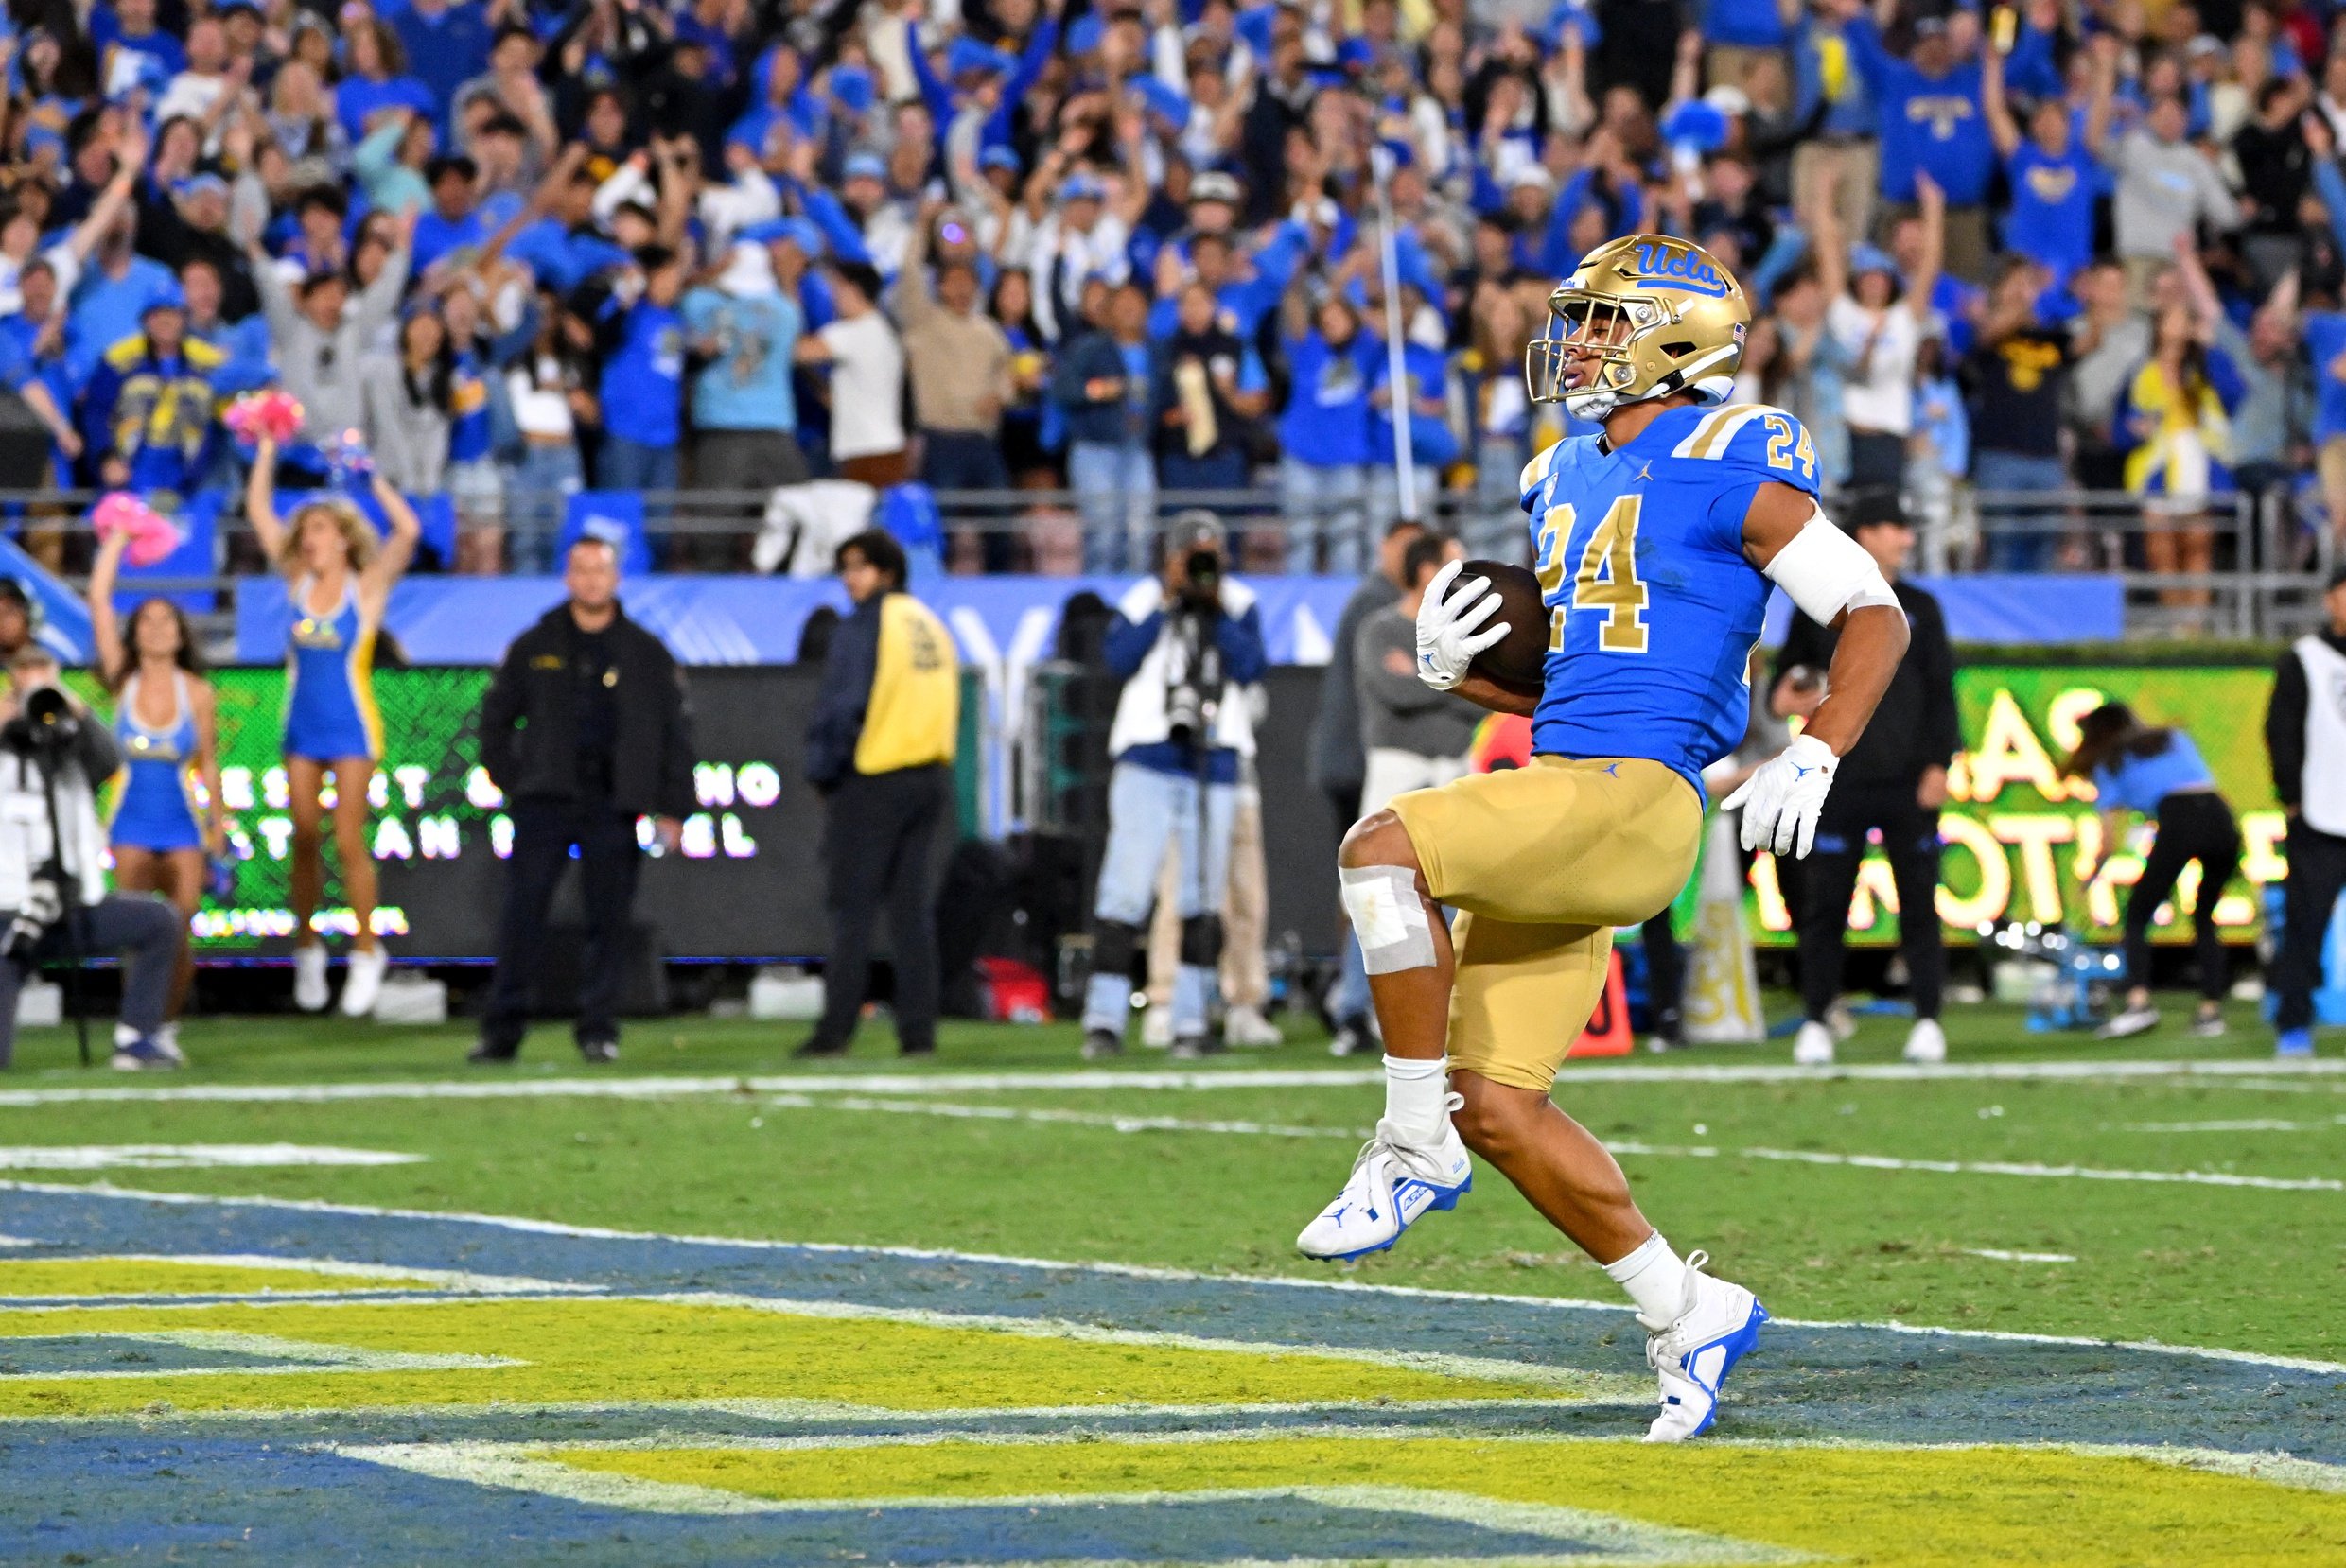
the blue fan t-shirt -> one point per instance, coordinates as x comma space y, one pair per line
2051, 218
642, 386
1325, 422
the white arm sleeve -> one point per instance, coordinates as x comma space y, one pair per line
1825, 571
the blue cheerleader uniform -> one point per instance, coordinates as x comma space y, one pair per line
329, 682
156, 809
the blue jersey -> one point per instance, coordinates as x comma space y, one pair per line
155, 808
1654, 609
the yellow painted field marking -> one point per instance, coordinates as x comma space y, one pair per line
630, 1350
21, 1277
1954, 1508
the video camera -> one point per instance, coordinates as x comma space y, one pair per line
1194, 673
45, 726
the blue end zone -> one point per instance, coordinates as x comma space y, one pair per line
139, 1487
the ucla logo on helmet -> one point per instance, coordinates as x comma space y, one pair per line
1668, 266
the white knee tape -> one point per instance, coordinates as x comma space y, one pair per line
1388, 918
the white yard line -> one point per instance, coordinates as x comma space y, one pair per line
528, 1224
2245, 1125
1621, 1146
2244, 1072
187, 1157
2002, 1257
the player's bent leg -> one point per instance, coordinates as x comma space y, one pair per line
1524, 992
1415, 1163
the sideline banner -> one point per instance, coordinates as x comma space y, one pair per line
746, 884
2016, 834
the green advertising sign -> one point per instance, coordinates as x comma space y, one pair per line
2016, 833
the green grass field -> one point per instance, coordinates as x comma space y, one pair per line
2238, 1268
2117, 1205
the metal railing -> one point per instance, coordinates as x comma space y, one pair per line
2248, 566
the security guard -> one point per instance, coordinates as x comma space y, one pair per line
1895, 778
880, 748
586, 728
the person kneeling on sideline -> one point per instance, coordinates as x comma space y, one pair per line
53, 897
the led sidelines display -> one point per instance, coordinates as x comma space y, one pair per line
2017, 835
746, 883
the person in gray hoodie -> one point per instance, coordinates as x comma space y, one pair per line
322, 331
407, 397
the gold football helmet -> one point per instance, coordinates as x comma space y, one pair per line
1658, 314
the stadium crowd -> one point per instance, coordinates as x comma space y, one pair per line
1121, 250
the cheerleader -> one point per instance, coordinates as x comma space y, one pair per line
2159, 773
340, 580
162, 832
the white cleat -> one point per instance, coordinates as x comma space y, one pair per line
2133, 1021
1156, 1028
1812, 1046
1926, 1042
310, 992
1694, 1352
1390, 1186
1246, 1029
165, 1039
363, 985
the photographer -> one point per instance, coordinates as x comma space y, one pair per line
53, 897
1187, 646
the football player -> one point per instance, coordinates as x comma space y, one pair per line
1656, 543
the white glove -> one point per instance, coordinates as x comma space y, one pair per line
1782, 800
1447, 640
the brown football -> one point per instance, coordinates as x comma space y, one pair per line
1520, 658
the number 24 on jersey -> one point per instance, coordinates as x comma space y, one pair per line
1605, 580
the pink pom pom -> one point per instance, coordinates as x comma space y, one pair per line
153, 536
275, 415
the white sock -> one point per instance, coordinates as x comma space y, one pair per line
1656, 1280
1415, 1090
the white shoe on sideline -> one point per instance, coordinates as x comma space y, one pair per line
1840, 1019
165, 1039
1156, 1028
1926, 1042
363, 985
1812, 1046
1390, 1186
310, 992
2134, 1020
1246, 1029
1694, 1351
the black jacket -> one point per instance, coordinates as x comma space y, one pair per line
529, 721
1915, 726
2285, 723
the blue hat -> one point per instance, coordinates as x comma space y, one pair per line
851, 87
1081, 186
1085, 34
1870, 258
1000, 155
167, 296
968, 56
1162, 99
1254, 25
801, 232
1356, 54
1696, 123
195, 184
863, 165
1576, 13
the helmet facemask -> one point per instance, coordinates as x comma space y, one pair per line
1591, 328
